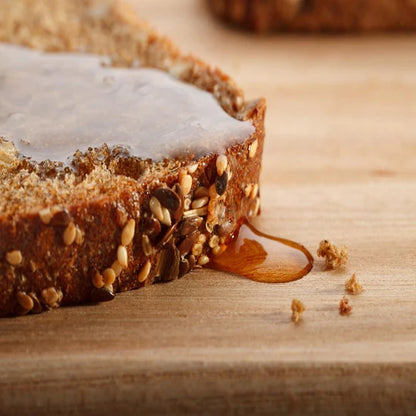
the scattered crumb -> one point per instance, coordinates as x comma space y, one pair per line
344, 307
297, 310
353, 286
334, 257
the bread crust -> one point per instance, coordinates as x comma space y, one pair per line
70, 237
318, 15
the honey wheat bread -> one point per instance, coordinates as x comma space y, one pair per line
317, 15
111, 220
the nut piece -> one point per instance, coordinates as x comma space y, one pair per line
144, 272
69, 234
221, 164
50, 296
109, 276
122, 256
353, 286
25, 301
128, 232
253, 149
344, 307
14, 257
297, 310
334, 257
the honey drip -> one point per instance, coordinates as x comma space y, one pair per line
263, 257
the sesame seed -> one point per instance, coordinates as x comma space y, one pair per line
254, 191
14, 257
256, 207
202, 238
116, 266
128, 232
186, 184
247, 190
122, 256
214, 241
109, 276
187, 204
200, 202
45, 215
50, 296
166, 217
203, 260
196, 212
144, 271
25, 301
97, 280
156, 208
253, 149
79, 237
147, 245
69, 234
216, 250
192, 168
197, 249
221, 164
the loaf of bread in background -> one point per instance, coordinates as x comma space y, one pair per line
318, 15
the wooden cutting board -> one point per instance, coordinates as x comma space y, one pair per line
340, 163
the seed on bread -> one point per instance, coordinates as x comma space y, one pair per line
109, 277
221, 164
247, 190
214, 241
254, 191
14, 257
50, 296
144, 271
253, 149
79, 236
198, 212
167, 220
192, 168
147, 246
197, 249
45, 215
122, 256
25, 301
168, 198
221, 183
200, 192
156, 208
116, 266
97, 280
200, 202
70, 234
128, 232
204, 259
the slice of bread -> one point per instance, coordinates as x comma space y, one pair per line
317, 15
113, 221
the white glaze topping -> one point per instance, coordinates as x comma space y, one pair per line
53, 104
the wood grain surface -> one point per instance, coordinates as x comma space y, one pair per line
339, 163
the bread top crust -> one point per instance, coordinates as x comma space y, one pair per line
108, 28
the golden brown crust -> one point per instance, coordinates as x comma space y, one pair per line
117, 223
318, 15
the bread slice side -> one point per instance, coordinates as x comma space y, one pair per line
114, 222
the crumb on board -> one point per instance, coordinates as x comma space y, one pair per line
334, 257
297, 309
353, 286
344, 307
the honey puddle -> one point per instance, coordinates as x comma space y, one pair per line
263, 257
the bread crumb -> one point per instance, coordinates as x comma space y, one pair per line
344, 307
297, 309
334, 257
353, 286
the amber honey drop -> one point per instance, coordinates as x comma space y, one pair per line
263, 257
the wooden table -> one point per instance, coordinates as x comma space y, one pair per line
340, 163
